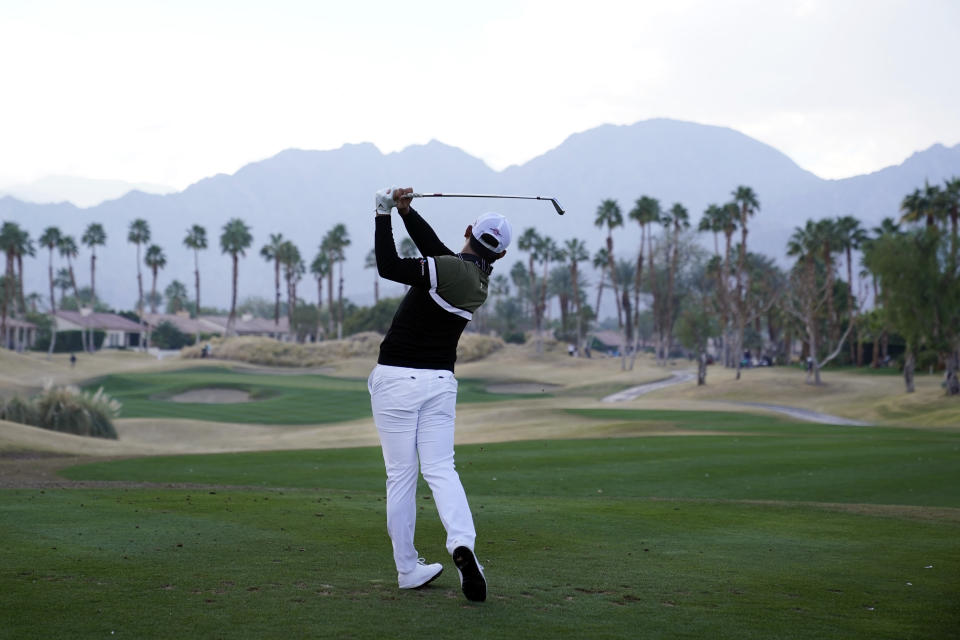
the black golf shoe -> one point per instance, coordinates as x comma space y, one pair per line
472, 582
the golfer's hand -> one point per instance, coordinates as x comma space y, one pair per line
402, 200
384, 201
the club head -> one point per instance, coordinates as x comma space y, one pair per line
556, 205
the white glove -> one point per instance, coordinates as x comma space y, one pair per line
385, 201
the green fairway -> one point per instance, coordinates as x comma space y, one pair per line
792, 531
274, 399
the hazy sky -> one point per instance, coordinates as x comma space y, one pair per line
170, 92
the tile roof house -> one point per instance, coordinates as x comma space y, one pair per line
247, 325
120, 332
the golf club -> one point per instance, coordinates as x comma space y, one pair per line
556, 205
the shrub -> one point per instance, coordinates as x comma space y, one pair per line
68, 341
515, 337
16, 409
66, 409
475, 346
267, 351
167, 336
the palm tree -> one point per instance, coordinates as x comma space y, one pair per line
176, 295
235, 240
289, 256
271, 253
609, 215
852, 236
196, 239
646, 211
138, 234
575, 252
16, 242
951, 202
804, 244
68, 249
93, 236
529, 240
679, 219
62, 281
921, 205
50, 239
8, 239
748, 205
334, 243
156, 260
600, 261
712, 221
320, 268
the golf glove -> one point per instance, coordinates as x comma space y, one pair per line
385, 201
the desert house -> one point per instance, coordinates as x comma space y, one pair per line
19, 334
120, 332
248, 325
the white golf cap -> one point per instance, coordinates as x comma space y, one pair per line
493, 231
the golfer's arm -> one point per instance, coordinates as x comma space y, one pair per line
423, 235
390, 265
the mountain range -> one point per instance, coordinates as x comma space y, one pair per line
303, 193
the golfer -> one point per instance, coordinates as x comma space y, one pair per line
413, 392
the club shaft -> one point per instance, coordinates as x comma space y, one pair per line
553, 201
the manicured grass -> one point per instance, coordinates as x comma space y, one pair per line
280, 400
713, 536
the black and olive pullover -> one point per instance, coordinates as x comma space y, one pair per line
445, 289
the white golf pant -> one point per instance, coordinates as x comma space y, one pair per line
414, 410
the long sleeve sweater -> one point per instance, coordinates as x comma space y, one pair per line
445, 289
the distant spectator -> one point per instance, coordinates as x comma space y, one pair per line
73, 359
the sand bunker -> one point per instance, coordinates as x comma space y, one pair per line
212, 396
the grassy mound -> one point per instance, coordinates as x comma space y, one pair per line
66, 409
267, 351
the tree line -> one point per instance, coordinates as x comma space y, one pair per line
669, 291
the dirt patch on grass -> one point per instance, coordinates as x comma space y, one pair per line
212, 396
523, 387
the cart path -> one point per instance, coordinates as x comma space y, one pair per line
681, 377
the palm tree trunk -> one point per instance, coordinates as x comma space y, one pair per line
330, 308
600, 286
276, 286
613, 280
636, 300
153, 292
53, 310
231, 320
93, 293
319, 304
196, 284
23, 304
340, 301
